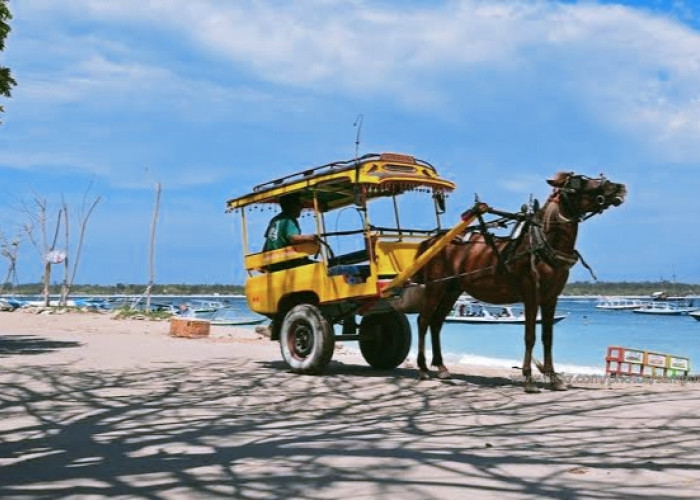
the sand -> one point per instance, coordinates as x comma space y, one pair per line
92, 407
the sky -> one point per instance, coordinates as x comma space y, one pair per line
210, 98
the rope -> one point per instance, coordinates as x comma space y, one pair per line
452, 277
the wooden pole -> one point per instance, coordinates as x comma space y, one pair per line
151, 259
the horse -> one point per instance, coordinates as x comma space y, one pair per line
531, 267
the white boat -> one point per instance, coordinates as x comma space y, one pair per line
484, 314
695, 315
665, 308
57, 303
10, 304
205, 309
619, 303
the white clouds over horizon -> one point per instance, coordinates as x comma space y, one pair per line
215, 97
632, 71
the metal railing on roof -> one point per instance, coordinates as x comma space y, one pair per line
336, 166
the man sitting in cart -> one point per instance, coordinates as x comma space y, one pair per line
283, 231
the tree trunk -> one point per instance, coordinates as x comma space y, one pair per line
64, 285
151, 260
83, 228
47, 263
47, 280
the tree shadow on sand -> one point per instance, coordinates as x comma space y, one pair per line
11, 345
238, 429
340, 368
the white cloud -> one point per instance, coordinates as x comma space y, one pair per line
633, 71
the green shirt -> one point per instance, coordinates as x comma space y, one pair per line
280, 229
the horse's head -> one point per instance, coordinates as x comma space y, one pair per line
584, 196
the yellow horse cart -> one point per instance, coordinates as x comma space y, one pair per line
371, 281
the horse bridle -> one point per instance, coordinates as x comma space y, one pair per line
576, 185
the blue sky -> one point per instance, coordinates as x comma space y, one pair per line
210, 98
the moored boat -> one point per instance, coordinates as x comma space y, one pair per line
484, 314
665, 309
695, 315
619, 303
204, 309
10, 304
232, 316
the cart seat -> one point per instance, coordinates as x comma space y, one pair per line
353, 273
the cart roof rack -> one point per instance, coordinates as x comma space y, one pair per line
339, 183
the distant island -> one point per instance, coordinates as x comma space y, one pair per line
577, 288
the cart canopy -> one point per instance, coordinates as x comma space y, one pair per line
343, 183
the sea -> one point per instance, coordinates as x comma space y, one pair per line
581, 339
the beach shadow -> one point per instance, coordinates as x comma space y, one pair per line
12, 345
237, 429
336, 368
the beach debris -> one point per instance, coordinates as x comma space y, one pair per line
189, 328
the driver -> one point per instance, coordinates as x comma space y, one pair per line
283, 230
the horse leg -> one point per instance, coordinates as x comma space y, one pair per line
556, 383
423, 373
435, 328
441, 312
530, 321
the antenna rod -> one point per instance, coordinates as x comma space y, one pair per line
358, 124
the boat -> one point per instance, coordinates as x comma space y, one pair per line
695, 315
10, 304
665, 308
619, 303
232, 316
204, 309
485, 314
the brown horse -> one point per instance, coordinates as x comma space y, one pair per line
531, 267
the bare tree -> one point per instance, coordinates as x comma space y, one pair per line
84, 216
9, 249
36, 230
151, 259
64, 285
47, 251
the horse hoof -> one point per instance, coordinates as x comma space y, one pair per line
423, 376
558, 385
444, 375
531, 388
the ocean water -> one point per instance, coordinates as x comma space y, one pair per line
580, 340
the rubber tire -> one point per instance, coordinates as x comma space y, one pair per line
306, 340
385, 339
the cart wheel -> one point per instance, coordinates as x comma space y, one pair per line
306, 339
385, 339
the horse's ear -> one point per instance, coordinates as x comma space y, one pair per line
559, 179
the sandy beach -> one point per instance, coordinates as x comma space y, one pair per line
93, 407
